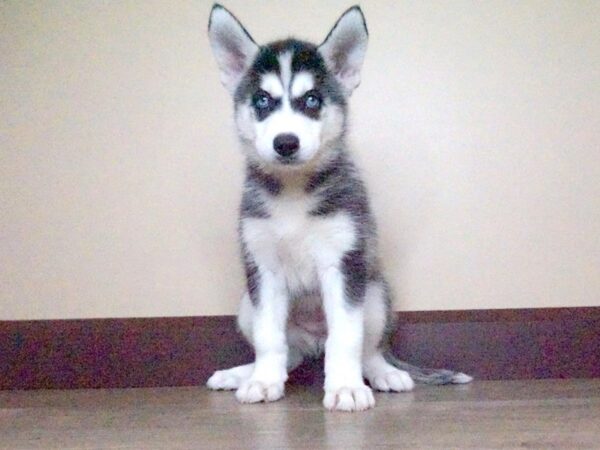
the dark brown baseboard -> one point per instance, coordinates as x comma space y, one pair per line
103, 353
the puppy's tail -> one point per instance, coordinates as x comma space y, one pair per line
429, 376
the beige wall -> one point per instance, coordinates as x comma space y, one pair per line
477, 125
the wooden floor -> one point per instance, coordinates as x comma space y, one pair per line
541, 414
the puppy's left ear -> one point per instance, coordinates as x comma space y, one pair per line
345, 46
232, 45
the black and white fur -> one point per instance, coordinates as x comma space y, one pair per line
307, 233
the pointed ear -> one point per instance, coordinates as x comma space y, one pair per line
345, 46
233, 47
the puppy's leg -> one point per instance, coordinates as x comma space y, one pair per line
231, 379
345, 389
269, 320
381, 375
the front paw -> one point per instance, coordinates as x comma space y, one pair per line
254, 391
358, 398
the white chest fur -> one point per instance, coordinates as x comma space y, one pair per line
296, 245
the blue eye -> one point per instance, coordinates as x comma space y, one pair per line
261, 101
312, 102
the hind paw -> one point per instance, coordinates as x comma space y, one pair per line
223, 380
394, 380
257, 391
230, 379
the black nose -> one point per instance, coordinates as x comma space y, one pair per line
286, 144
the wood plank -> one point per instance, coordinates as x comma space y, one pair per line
492, 415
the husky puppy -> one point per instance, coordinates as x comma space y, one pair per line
314, 281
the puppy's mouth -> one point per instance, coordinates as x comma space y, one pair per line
291, 160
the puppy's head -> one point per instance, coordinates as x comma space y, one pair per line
290, 96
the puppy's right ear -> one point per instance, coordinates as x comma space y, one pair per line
345, 46
232, 45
